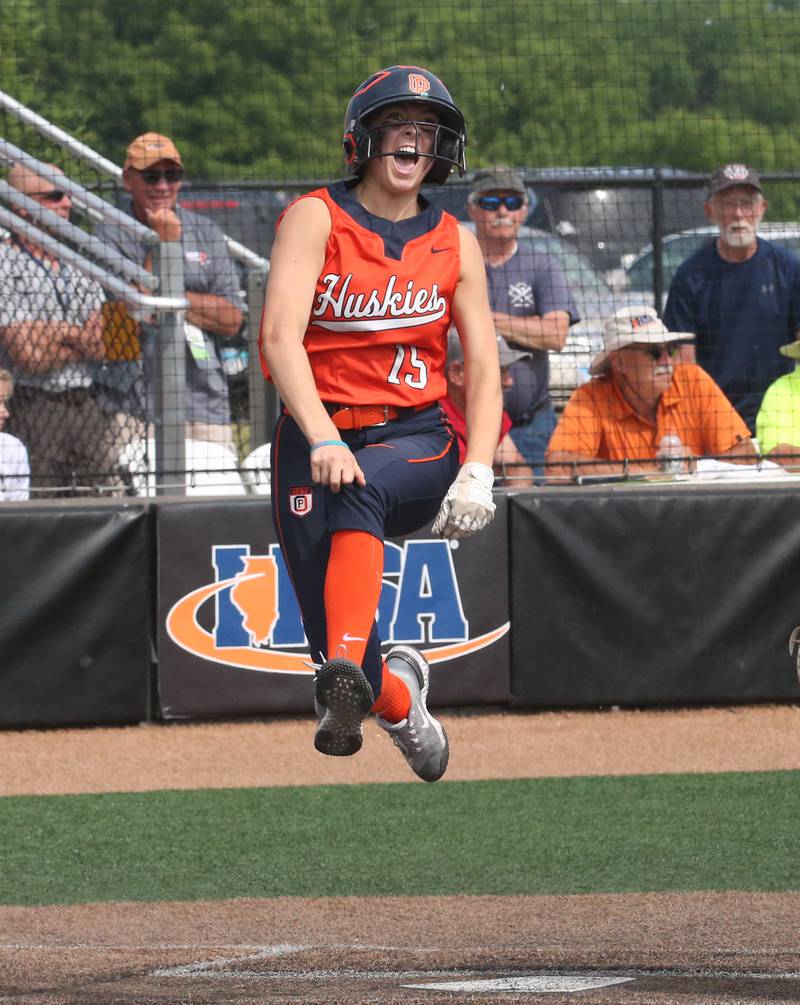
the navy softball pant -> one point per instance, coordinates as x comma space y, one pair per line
409, 464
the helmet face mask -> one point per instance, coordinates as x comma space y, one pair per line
445, 146
404, 85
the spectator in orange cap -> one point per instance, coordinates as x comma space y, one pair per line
153, 174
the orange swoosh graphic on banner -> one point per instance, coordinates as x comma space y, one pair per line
456, 649
185, 631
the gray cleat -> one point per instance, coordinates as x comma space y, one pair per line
342, 699
420, 737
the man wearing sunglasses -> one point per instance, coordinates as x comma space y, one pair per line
739, 293
531, 303
641, 393
153, 174
51, 340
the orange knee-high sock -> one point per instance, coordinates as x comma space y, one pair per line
352, 591
394, 701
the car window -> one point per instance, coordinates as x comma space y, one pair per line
791, 242
581, 275
678, 247
674, 253
248, 216
640, 273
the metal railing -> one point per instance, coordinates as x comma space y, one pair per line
104, 166
170, 305
91, 256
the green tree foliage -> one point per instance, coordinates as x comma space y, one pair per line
257, 88
20, 37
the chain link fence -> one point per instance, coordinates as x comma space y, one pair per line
133, 354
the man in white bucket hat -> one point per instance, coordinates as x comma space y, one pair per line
641, 394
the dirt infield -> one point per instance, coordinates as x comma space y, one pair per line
483, 746
361, 952
653, 949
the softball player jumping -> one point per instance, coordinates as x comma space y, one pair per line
366, 278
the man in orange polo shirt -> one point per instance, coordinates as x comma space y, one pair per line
640, 394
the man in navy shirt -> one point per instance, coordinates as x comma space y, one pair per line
740, 294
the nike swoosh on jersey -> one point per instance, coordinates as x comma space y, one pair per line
352, 638
438, 251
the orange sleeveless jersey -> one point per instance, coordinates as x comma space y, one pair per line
377, 334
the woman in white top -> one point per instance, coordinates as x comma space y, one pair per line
15, 472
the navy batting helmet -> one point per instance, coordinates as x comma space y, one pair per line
402, 84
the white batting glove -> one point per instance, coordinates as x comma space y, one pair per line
468, 505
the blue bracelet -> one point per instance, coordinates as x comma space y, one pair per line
328, 443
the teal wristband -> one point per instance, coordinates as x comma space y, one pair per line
328, 443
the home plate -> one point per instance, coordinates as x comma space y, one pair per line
537, 984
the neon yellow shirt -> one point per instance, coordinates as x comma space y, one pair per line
778, 419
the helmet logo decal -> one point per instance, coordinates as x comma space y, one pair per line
418, 83
397, 85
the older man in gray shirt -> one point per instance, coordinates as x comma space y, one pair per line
531, 304
152, 174
51, 341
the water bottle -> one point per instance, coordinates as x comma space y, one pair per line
671, 455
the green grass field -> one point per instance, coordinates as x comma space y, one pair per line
561, 835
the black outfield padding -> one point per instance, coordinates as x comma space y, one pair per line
649, 596
75, 626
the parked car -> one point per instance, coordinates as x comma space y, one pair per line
636, 273
604, 212
605, 220
248, 215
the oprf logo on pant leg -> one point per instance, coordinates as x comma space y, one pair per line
257, 624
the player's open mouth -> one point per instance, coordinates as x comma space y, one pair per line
405, 159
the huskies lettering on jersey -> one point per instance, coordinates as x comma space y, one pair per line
376, 310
